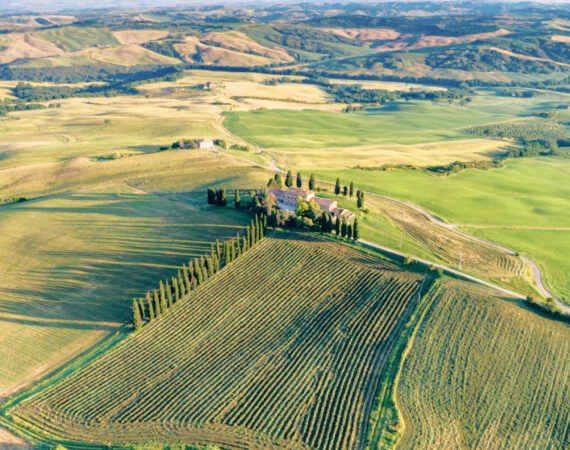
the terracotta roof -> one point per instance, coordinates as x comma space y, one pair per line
323, 201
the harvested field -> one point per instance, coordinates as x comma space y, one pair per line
139, 36
365, 34
26, 45
281, 349
485, 373
439, 41
241, 42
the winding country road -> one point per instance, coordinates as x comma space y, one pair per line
452, 227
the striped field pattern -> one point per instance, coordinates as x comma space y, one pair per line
281, 349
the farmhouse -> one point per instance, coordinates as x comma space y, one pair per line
205, 143
208, 85
287, 199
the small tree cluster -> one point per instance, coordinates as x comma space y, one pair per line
342, 228
195, 273
360, 198
217, 197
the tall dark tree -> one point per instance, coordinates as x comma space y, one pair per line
345, 191
337, 187
150, 306
137, 319
343, 227
351, 189
237, 199
329, 223
278, 181
224, 198
355, 234
176, 289
168, 294
299, 180
163, 304
360, 199
156, 302
312, 182
142, 308
289, 179
349, 231
186, 281
337, 226
211, 196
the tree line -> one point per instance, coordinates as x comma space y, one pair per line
195, 273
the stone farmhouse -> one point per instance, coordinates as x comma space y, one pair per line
287, 199
205, 143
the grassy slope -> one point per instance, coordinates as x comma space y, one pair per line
326, 337
506, 196
73, 38
497, 377
73, 263
547, 248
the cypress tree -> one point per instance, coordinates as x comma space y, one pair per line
244, 245
337, 226
176, 290
299, 180
180, 283
209, 266
256, 228
218, 251
157, 309
211, 196
344, 191
224, 199
289, 179
349, 231
343, 229
312, 182
142, 308
163, 305
237, 199
199, 276
169, 294
150, 307
351, 189
264, 222
137, 319
337, 187
197, 271
261, 232
360, 199
329, 223
248, 236
204, 274
355, 235
193, 283
186, 282
238, 247
162, 291
232, 250
278, 181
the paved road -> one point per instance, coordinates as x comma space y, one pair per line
452, 227
446, 269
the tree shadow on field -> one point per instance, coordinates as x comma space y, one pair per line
93, 273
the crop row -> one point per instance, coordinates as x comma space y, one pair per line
278, 349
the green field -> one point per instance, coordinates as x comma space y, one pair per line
72, 38
406, 123
528, 191
485, 373
548, 248
280, 349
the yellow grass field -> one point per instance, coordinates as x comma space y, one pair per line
427, 154
26, 45
139, 36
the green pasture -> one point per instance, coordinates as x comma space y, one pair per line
72, 38
549, 249
529, 191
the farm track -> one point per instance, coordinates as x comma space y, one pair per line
538, 279
281, 349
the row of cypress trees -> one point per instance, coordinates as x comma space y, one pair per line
198, 270
343, 229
